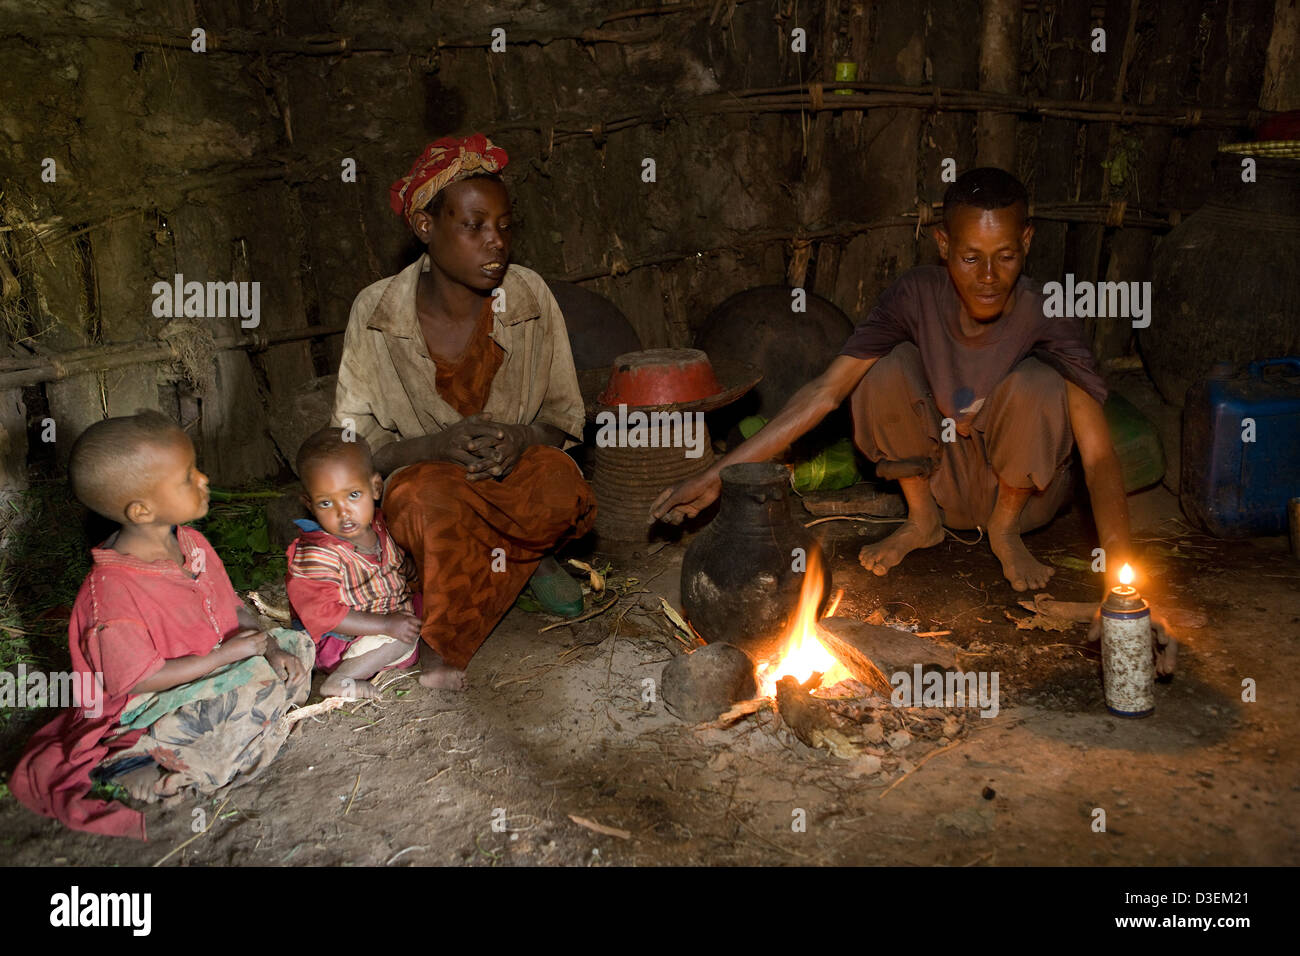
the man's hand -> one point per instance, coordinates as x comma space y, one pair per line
403, 627
1163, 644
500, 450
1166, 646
687, 499
286, 666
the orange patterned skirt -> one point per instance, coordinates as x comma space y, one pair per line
476, 543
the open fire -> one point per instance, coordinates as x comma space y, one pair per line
801, 654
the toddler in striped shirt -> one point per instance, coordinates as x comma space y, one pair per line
349, 583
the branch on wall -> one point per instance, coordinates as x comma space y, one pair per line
1116, 215
31, 370
35, 369
816, 97
253, 43
166, 193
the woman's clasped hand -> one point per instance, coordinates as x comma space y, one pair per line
486, 448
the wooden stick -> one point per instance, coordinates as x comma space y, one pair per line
594, 612
177, 849
246, 42
807, 718
354, 795
321, 707
742, 709
53, 368
919, 764
601, 828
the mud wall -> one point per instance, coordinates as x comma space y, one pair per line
228, 164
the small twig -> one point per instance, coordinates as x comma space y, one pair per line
595, 827
320, 707
959, 538
594, 612
215, 817
400, 853
775, 846
932, 633
866, 519
919, 764
402, 675
354, 795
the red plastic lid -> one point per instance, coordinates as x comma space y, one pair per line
660, 377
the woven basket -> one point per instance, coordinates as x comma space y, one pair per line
1277, 148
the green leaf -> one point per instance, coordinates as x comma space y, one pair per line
259, 540
526, 603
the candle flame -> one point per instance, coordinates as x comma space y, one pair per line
1126, 575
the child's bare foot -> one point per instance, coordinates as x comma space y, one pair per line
883, 555
340, 685
1018, 565
141, 784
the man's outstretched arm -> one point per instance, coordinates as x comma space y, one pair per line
1102, 472
806, 408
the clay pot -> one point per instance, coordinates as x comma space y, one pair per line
789, 348
739, 582
1224, 282
598, 330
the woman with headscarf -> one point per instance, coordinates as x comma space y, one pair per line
458, 372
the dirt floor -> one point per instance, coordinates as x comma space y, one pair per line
555, 726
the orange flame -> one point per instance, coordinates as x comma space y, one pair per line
802, 654
1126, 575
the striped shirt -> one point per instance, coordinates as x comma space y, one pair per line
328, 577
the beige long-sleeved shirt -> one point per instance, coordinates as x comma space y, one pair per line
387, 379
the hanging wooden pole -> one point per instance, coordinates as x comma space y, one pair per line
1281, 88
995, 133
53, 368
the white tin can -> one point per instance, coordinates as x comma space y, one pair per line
1127, 660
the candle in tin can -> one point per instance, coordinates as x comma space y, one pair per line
1127, 663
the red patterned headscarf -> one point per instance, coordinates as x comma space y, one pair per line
442, 163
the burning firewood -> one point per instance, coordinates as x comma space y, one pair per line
742, 709
871, 652
809, 719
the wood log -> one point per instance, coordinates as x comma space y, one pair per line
810, 720
55, 367
1100, 152
13, 440
999, 73
871, 652
1281, 86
